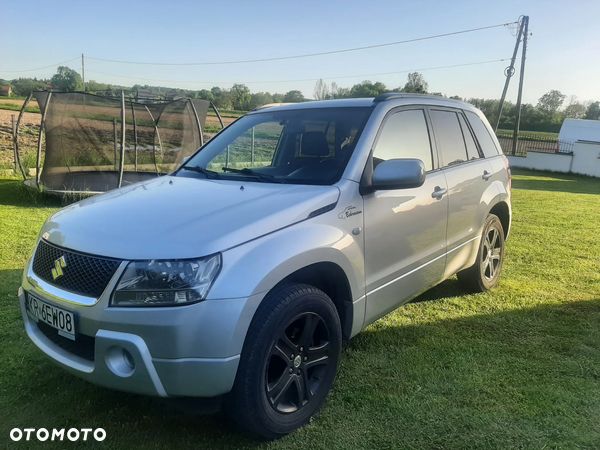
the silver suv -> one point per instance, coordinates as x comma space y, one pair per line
243, 272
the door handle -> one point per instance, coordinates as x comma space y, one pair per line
486, 175
438, 192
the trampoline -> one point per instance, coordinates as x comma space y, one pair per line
96, 143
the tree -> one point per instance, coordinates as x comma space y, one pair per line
24, 86
66, 79
575, 110
551, 101
240, 97
321, 91
593, 111
260, 99
294, 96
367, 89
416, 83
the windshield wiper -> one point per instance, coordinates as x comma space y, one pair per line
252, 173
208, 173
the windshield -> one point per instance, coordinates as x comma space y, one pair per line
303, 146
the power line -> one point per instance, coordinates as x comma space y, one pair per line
305, 55
335, 77
43, 67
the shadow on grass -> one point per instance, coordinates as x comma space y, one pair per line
14, 193
555, 182
41, 394
449, 288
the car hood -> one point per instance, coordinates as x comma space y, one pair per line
180, 217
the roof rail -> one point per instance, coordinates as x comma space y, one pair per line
395, 95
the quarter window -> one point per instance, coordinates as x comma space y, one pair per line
404, 135
449, 137
483, 135
472, 151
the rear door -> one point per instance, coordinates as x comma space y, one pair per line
405, 229
467, 174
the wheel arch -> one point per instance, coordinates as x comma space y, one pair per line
331, 279
502, 210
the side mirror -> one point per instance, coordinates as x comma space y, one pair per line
398, 174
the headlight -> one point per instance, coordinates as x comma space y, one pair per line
166, 283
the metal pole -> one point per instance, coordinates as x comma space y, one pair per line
197, 122
83, 72
135, 138
16, 134
509, 72
217, 113
521, 78
38, 164
122, 138
227, 157
252, 149
115, 138
156, 135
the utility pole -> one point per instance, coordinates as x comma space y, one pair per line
83, 72
521, 78
509, 72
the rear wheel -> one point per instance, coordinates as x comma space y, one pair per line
288, 363
485, 273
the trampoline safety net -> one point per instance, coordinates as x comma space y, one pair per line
85, 150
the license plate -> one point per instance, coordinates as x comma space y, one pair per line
62, 320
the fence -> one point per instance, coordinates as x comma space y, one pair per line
533, 143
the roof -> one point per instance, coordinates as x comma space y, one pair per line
396, 97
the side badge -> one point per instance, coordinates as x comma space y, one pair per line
349, 211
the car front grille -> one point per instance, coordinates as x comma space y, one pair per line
83, 346
75, 272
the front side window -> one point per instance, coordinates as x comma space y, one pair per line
303, 146
449, 137
404, 135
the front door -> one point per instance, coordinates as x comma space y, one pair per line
405, 229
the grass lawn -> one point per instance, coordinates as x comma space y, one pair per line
518, 367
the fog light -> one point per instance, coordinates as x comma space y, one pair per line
120, 361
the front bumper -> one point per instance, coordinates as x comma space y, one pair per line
191, 350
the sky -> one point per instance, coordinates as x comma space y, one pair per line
563, 51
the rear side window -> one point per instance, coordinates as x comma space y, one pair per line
483, 135
404, 135
472, 151
449, 137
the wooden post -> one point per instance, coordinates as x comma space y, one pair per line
38, 164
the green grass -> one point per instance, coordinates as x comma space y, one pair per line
15, 107
518, 367
529, 135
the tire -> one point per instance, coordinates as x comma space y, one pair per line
485, 273
288, 363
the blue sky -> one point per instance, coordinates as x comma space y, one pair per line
563, 53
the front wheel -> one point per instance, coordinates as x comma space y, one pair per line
485, 273
288, 363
